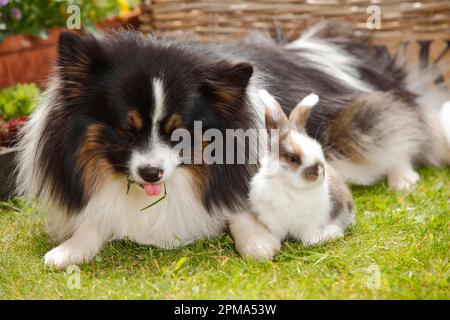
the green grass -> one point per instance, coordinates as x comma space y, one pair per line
403, 236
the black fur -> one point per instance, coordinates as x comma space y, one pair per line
102, 80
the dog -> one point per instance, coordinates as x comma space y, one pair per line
99, 148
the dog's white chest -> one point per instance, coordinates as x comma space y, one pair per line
178, 219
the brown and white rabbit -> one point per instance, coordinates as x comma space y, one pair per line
296, 194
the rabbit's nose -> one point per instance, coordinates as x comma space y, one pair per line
315, 171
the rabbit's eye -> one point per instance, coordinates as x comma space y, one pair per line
293, 158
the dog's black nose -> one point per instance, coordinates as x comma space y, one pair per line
151, 174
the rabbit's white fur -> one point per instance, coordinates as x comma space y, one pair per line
289, 211
284, 199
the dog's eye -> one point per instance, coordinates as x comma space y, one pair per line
131, 134
169, 131
293, 158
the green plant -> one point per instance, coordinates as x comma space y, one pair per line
36, 17
398, 249
18, 100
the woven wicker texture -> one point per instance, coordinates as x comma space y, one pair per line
423, 24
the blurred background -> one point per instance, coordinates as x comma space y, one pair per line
29, 31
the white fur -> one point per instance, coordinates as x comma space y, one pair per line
289, 211
82, 246
181, 217
112, 214
286, 203
445, 125
403, 144
158, 110
330, 59
312, 151
257, 113
29, 177
395, 149
309, 101
252, 238
362, 174
402, 177
399, 170
267, 99
432, 100
157, 155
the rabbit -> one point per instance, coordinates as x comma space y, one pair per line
296, 193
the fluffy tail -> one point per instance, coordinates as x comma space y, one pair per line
424, 85
433, 100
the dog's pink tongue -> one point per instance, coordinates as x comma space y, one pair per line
152, 189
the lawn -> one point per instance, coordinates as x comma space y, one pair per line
398, 249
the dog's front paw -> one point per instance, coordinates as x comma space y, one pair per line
64, 256
403, 178
259, 247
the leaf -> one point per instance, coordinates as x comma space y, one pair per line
18, 100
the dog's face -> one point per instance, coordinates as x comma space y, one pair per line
122, 97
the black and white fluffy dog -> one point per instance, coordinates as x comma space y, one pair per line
115, 100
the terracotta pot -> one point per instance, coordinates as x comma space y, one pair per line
26, 58
30, 59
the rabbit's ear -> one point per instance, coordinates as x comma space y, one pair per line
274, 115
301, 112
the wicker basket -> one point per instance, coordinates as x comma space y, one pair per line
423, 24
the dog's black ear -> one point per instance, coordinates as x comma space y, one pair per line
230, 74
229, 80
78, 58
76, 50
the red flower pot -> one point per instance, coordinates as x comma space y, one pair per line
30, 59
